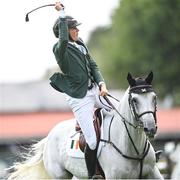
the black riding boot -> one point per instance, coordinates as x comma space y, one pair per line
90, 159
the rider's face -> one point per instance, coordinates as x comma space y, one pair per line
74, 33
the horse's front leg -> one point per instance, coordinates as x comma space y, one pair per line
155, 173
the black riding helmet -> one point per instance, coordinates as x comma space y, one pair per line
71, 24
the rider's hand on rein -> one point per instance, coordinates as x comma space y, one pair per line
103, 90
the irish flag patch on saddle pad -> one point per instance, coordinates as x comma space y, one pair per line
73, 149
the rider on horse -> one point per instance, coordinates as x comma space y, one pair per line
80, 80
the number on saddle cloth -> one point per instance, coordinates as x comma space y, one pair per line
97, 125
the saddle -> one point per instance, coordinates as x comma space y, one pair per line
97, 126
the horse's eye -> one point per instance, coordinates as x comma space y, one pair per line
154, 99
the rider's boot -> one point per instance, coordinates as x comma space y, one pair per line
91, 160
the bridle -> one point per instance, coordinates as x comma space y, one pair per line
140, 90
139, 157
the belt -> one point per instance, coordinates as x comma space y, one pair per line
91, 86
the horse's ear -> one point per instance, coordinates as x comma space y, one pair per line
149, 78
131, 80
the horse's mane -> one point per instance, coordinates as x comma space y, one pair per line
124, 101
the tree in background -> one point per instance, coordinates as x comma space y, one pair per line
144, 36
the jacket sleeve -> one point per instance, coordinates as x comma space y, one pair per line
60, 48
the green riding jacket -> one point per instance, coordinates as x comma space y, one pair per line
74, 66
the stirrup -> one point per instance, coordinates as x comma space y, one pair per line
158, 154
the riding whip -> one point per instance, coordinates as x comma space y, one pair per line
27, 15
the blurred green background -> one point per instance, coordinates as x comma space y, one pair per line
144, 36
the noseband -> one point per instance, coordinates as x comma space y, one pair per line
140, 89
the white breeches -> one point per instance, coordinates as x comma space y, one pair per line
83, 110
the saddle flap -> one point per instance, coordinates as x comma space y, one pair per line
97, 126
97, 123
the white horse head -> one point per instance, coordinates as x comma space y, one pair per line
125, 151
143, 103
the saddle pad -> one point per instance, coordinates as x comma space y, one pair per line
73, 149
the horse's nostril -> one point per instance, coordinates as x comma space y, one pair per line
146, 129
150, 132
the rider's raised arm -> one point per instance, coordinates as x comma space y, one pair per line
61, 32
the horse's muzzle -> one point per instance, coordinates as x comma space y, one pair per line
150, 129
151, 132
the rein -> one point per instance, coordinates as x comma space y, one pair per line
123, 118
139, 157
124, 121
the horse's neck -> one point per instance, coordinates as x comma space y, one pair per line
119, 129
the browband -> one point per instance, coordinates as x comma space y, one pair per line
141, 89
